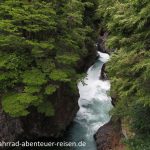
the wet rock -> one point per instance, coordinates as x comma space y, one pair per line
103, 75
108, 137
113, 101
101, 43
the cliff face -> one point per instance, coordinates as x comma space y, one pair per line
36, 125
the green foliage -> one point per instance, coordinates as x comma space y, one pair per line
141, 124
67, 59
129, 68
50, 89
17, 104
34, 77
139, 143
41, 43
31, 89
59, 75
46, 65
46, 108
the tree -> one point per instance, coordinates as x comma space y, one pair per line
129, 69
40, 44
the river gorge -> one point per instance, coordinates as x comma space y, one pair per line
94, 103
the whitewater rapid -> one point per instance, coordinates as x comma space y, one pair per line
94, 105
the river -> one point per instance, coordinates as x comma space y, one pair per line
94, 104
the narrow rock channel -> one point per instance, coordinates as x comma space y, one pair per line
94, 103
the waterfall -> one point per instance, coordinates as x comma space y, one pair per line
94, 103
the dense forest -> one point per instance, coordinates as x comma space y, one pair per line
42, 43
128, 24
